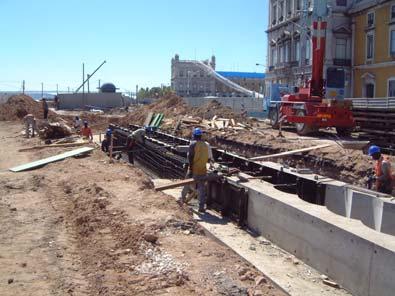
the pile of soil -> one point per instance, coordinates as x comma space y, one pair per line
173, 106
170, 105
19, 106
207, 111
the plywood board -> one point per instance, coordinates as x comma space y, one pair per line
41, 162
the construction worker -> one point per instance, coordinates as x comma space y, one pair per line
30, 124
45, 108
77, 124
105, 144
382, 170
199, 154
134, 139
86, 132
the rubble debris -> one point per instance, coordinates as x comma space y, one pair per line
331, 283
55, 130
150, 237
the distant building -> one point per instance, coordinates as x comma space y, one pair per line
374, 43
189, 80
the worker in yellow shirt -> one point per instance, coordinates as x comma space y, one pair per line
199, 154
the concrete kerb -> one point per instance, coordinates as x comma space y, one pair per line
342, 248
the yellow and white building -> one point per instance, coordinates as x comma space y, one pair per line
373, 48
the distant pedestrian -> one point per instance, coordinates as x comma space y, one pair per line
45, 108
30, 125
86, 132
56, 101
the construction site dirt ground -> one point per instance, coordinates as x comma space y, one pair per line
83, 226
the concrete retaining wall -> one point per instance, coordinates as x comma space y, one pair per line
254, 107
373, 209
357, 257
99, 100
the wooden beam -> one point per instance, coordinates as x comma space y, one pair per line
175, 184
291, 152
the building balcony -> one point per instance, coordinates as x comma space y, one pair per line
342, 62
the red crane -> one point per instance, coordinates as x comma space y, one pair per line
308, 109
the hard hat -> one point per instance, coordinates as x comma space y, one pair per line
85, 122
374, 149
109, 131
197, 132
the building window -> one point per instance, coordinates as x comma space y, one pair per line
391, 87
392, 41
370, 19
308, 50
298, 4
281, 54
369, 90
341, 2
393, 12
273, 57
369, 46
288, 7
281, 11
288, 52
274, 14
341, 48
297, 50
181, 73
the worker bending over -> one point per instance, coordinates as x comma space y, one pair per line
77, 124
199, 154
135, 138
382, 170
30, 124
86, 132
105, 144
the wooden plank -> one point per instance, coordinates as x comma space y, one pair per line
291, 152
53, 145
41, 162
148, 119
175, 184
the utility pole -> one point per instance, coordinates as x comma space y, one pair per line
68, 89
57, 88
23, 86
99, 84
83, 78
137, 91
42, 90
87, 77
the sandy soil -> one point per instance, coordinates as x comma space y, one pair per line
83, 226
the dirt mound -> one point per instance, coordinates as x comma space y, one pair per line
207, 111
170, 105
18, 106
173, 106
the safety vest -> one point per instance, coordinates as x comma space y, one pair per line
200, 158
378, 169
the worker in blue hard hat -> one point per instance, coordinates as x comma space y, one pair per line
105, 144
199, 154
382, 170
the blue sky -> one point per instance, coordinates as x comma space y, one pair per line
47, 41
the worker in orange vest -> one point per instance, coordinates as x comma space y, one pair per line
382, 170
86, 132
